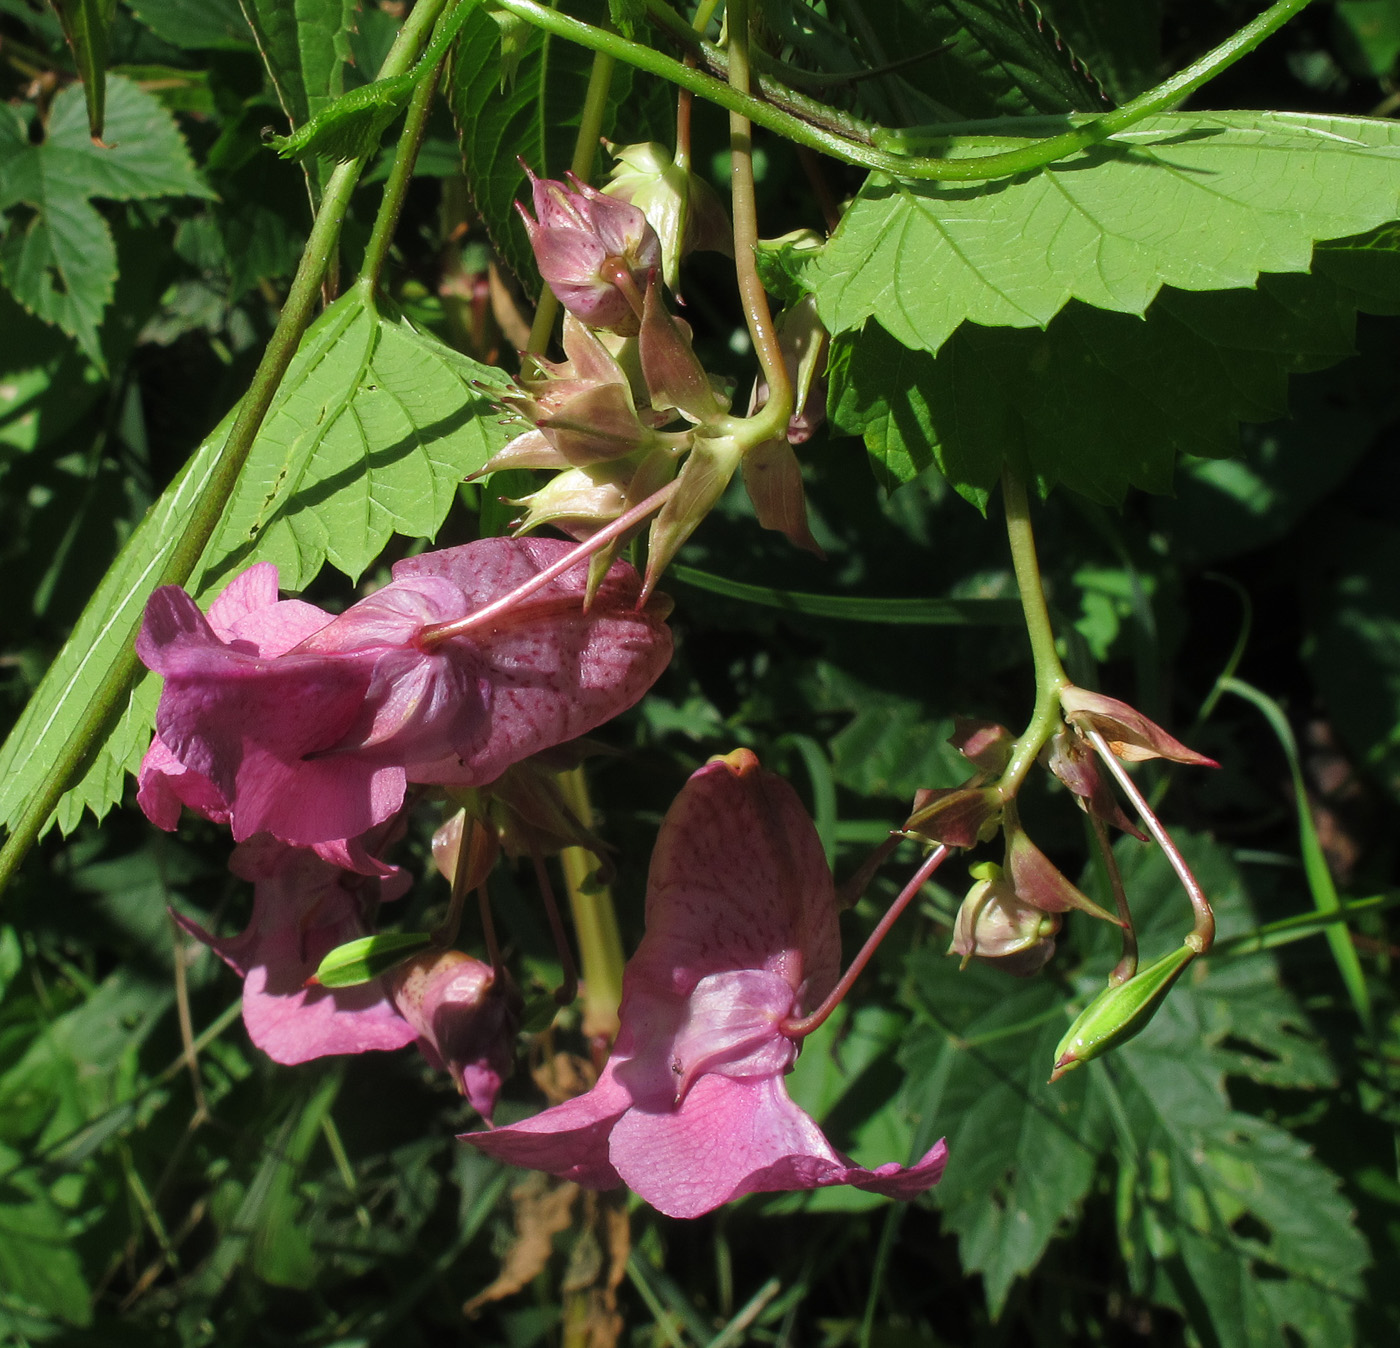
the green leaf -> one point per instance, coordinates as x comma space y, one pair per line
535, 119
362, 960
86, 24
61, 263
1121, 44
1022, 1153
372, 429
985, 57
1099, 402
305, 47
889, 747
1195, 201
38, 1264
196, 25
351, 125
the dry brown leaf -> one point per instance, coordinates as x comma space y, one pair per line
543, 1208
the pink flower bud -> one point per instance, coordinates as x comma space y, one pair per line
465, 1014
594, 252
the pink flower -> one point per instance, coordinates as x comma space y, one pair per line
277, 717
691, 1110
303, 908
461, 1015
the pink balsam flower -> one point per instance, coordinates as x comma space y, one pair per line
461, 1014
741, 939
277, 717
303, 908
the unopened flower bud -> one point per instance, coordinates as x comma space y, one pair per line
466, 1014
995, 925
482, 850
1129, 733
594, 252
682, 209
960, 816
1119, 1012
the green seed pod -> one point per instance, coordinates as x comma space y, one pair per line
1118, 1013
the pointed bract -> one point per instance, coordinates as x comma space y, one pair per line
1129, 733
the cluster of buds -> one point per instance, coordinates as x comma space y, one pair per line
1013, 912
631, 412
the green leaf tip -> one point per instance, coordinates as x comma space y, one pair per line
1120, 1012
362, 960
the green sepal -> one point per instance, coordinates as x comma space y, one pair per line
539, 1014
364, 959
1118, 1013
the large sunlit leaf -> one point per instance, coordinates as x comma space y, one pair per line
1098, 401
1199, 201
375, 425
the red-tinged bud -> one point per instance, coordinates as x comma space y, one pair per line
1040, 883
1077, 766
985, 744
578, 502
1129, 733
682, 209
594, 252
481, 854
994, 925
466, 1015
773, 479
960, 816
582, 407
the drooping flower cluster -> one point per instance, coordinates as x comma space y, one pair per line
741, 941
631, 411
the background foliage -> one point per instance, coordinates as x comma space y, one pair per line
1229, 1178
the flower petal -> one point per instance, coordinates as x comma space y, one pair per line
569, 1140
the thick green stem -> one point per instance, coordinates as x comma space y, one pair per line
400, 175
595, 922
978, 169
1050, 677
105, 702
772, 418
590, 129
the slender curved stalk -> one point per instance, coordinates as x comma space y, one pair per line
400, 175
436, 633
1202, 935
105, 702
1004, 164
800, 1028
773, 416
